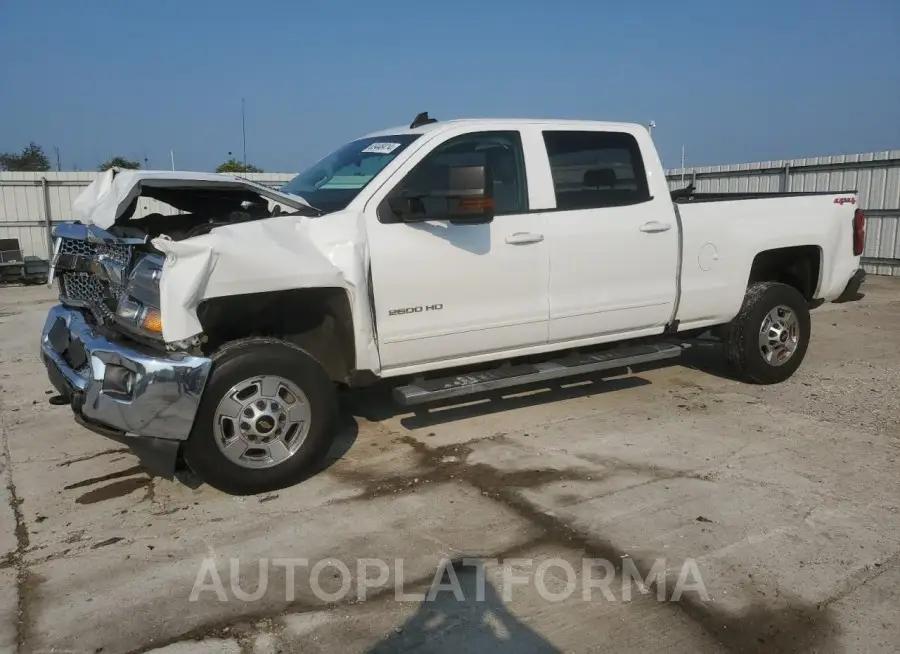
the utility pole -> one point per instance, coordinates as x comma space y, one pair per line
244, 132
172, 157
58, 165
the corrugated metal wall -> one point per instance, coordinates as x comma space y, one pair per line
23, 207
876, 175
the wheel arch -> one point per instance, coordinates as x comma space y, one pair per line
799, 266
319, 320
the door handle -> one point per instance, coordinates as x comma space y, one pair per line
524, 238
655, 226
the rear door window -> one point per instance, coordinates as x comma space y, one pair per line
593, 170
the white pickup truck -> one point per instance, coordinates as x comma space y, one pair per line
454, 257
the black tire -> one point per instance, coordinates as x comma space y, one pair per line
234, 363
741, 335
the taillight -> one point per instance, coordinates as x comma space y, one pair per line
859, 232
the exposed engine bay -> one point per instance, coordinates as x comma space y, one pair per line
112, 201
201, 210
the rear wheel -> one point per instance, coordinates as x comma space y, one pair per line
266, 417
767, 341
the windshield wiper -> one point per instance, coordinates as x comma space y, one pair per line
315, 210
273, 194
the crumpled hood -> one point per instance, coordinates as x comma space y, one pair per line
109, 196
274, 254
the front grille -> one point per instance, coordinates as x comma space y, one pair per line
120, 254
85, 289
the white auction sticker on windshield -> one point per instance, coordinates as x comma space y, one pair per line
381, 148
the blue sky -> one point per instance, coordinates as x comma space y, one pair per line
732, 81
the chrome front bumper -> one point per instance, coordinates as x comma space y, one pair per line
121, 388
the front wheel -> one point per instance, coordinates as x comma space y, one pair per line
766, 342
266, 417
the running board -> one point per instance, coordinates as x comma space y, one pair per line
516, 375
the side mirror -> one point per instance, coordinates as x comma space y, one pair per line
466, 181
470, 195
464, 198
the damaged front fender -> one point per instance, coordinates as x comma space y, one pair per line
276, 254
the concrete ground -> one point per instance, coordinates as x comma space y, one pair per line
786, 498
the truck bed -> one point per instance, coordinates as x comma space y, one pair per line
722, 232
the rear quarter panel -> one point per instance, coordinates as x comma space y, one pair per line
721, 240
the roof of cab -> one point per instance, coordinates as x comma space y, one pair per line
487, 123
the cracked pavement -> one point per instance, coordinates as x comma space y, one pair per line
787, 497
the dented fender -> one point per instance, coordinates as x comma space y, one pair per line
275, 254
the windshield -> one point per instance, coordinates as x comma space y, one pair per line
331, 183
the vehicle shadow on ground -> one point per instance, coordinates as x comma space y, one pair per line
348, 431
707, 355
856, 297
466, 615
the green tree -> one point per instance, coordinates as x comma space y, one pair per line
120, 162
235, 166
31, 159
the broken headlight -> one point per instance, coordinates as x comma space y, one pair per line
138, 309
